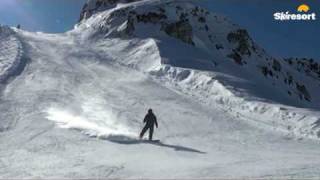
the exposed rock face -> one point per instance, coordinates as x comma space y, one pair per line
236, 57
151, 17
303, 92
276, 72
273, 68
181, 30
195, 26
241, 38
305, 65
93, 6
276, 65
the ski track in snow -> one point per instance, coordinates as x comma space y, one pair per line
77, 108
204, 72
10, 53
12, 64
70, 84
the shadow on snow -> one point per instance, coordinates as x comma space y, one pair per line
122, 139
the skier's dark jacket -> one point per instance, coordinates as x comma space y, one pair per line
151, 120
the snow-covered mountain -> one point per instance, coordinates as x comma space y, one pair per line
212, 35
226, 108
192, 43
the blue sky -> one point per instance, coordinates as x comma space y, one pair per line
41, 15
298, 39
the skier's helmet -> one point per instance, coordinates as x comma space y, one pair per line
150, 111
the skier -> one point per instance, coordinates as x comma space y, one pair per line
150, 120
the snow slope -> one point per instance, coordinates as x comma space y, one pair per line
206, 55
76, 109
10, 53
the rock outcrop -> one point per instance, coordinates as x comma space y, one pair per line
94, 6
197, 27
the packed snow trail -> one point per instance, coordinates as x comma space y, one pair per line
87, 91
76, 109
10, 53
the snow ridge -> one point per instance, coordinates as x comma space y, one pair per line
206, 56
10, 53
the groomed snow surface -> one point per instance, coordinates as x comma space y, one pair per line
10, 53
76, 109
80, 87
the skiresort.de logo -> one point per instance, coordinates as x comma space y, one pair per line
302, 15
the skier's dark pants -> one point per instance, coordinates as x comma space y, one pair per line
144, 130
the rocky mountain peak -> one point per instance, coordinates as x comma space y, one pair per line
93, 6
216, 37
